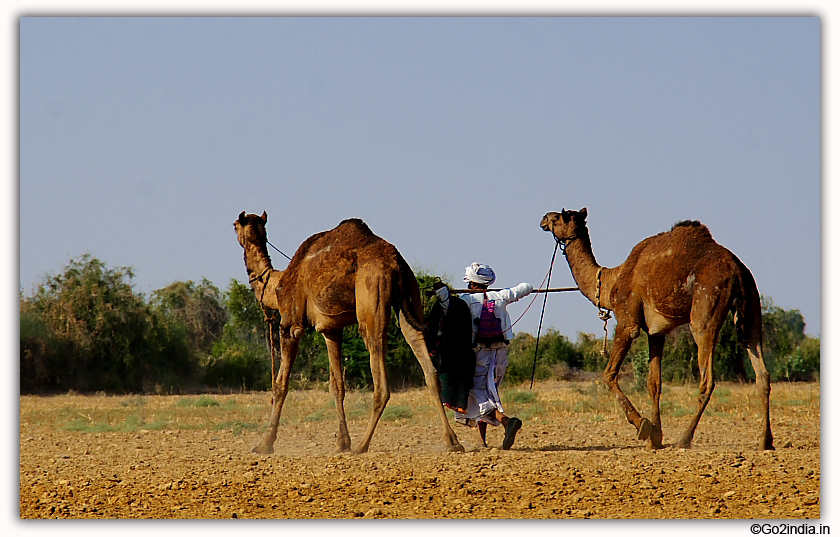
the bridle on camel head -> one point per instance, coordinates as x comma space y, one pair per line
564, 243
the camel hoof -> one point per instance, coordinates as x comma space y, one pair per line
262, 449
766, 444
457, 447
684, 444
645, 429
451, 442
656, 438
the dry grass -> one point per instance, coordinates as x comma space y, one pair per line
547, 402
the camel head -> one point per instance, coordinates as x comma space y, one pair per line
565, 225
250, 228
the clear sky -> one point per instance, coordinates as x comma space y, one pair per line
142, 139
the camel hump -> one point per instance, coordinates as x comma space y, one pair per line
356, 224
694, 227
688, 223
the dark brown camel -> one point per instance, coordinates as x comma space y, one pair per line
673, 278
339, 278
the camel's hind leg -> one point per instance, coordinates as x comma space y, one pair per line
288, 351
707, 316
656, 344
707, 386
415, 340
762, 384
375, 334
333, 340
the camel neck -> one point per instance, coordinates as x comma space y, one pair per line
261, 275
585, 269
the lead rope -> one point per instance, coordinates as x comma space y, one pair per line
545, 299
279, 250
270, 321
603, 313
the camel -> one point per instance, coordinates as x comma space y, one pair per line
673, 278
338, 278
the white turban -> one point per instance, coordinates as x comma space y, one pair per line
481, 274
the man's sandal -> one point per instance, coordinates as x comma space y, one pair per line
510, 432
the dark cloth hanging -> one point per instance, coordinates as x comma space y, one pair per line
449, 337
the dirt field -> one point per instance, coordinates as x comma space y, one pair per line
575, 457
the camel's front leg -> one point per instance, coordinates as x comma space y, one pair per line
621, 344
333, 340
656, 344
288, 352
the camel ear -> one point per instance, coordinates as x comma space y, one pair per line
564, 215
265, 217
242, 219
583, 212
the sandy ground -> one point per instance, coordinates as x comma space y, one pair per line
570, 460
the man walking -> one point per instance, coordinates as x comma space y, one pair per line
491, 335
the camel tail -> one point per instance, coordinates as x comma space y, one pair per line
408, 297
748, 327
747, 306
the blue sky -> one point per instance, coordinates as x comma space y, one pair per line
141, 140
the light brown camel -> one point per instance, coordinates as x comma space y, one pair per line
673, 278
339, 278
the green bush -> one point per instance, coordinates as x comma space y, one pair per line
790, 354
592, 349
240, 357
86, 329
803, 363
556, 353
810, 348
196, 309
41, 351
679, 360
237, 363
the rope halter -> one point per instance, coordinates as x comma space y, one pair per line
603, 313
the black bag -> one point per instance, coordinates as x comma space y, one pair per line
449, 337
